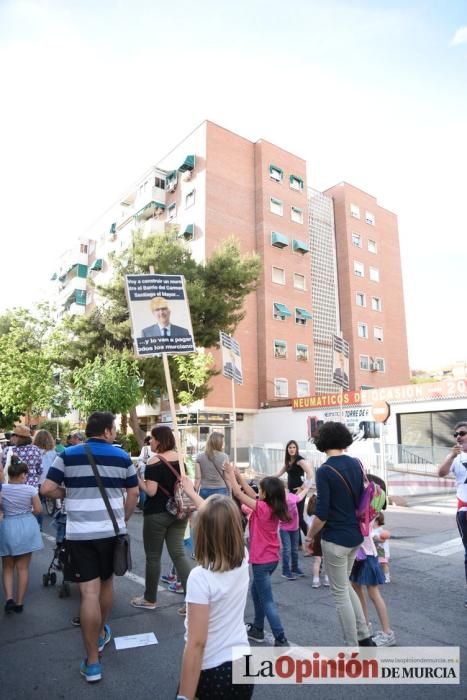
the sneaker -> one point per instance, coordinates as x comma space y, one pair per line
76, 622
367, 642
168, 578
254, 633
289, 577
105, 639
298, 572
182, 611
175, 587
92, 672
316, 583
10, 605
326, 581
281, 642
385, 640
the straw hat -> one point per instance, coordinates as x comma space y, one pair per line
22, 431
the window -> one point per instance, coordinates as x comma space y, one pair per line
376, 304
276, 173
355, 211
281, 388
276, 206
299, 281
302, 316
301, 352
159, 182
364, 362
172, 211
278, 240
362, 330
296, 183
83, 248
189, 199
359, 269
374, 274
370, 218
372, 247
360, 299
280, 349
303, 387
378, 333
379, 364
280, 312
278, 275
296, 214
356, 239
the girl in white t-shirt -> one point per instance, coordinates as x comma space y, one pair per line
216, 596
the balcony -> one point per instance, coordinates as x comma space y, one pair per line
152, 208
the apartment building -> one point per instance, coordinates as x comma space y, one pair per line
371, 300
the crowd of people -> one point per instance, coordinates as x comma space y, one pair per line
216, 584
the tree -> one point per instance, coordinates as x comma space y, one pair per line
108, 383
28, 386
216, 292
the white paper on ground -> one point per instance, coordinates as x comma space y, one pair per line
135, 640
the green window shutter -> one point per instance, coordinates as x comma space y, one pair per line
276, 173
97, 264
80, 297
303, 313
279, 240
300, 247
296, 183
82, 271
281, 309
188, 164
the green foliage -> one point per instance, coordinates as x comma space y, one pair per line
107, 383
129, 443
27, 385
216, 292
64, 428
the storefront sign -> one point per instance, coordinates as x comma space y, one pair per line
324, 400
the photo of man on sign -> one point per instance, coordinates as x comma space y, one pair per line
160, 315
163, 326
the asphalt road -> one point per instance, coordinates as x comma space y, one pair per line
40, 651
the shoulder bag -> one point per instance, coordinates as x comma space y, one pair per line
122, 553
179, 504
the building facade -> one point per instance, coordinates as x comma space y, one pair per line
371, 299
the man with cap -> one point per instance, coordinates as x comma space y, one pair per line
163, 328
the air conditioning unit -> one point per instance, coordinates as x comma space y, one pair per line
172, 186
186, 175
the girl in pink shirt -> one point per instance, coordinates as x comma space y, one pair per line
268, 510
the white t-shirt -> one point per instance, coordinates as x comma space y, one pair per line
460, 474
225, 593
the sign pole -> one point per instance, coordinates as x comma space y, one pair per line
341, 404
168, 382
234, 425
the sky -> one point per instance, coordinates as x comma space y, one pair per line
370, 92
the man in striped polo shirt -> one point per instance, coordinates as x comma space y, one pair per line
90, 536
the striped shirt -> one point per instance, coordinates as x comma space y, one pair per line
17, 499
87, 516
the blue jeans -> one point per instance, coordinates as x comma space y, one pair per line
289, 541
261, 592
205, 492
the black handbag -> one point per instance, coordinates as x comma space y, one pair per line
122, 553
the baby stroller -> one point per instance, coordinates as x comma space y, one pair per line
58, 560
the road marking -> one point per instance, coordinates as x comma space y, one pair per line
445, 549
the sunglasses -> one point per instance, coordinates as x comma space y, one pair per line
461, 433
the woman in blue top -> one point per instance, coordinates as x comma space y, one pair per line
340, 533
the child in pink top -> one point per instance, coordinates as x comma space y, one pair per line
267, 511
290, 537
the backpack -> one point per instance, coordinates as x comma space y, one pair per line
372, 500
180, 505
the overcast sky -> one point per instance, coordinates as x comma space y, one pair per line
374, 93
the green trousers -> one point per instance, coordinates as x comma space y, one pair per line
157, 529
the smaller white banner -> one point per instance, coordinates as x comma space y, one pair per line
135, 640
231, 358
347, 665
